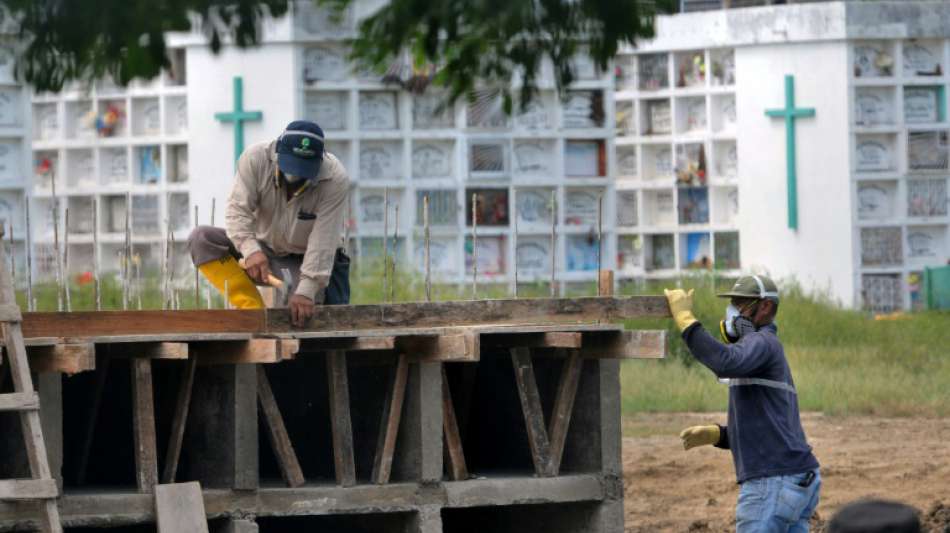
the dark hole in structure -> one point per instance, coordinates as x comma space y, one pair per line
491, 420
354, 523
550, 518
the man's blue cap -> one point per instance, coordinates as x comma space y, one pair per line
300, 149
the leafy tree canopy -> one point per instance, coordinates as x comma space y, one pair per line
458, 44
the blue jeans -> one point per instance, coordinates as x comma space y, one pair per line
777, 504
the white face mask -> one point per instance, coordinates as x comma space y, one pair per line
731, 313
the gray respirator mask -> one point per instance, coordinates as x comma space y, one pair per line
735, 326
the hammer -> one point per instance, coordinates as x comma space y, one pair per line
272, 280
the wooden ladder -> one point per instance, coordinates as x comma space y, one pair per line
26, 401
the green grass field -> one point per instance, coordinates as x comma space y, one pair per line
844, 362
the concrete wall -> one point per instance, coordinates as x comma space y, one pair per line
819, 253
211, 142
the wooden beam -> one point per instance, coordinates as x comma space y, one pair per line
148, 350
277, 433
636, 344
340, 424
389, 422
180, 507
533, 413
605, 283
462, 313
66, 358
20, 401
348, 344
143, 425
550, 339
246, 351
86, 324
28, 489
463, 347
563, 407
179, 420
453, 440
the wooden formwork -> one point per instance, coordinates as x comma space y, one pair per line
407, 335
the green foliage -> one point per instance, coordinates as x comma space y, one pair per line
489, 42
83, 40
843, 362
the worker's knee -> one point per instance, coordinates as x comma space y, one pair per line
208, 243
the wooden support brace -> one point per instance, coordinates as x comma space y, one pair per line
461, 347
28, 489
550, 339
563, 407
179, 420
348, 344
458, 470
245, 351
340, 424
147, 350
143, 425
277, 432
533, 413
389, 422
20, 401
637, 344
66, 358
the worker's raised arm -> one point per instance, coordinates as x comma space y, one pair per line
741, 359
325, 236
240, 220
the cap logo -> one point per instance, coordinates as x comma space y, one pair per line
304, 149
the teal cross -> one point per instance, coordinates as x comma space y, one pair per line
238, 116
790, 113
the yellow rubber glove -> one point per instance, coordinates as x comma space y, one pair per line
699, 436
681, 307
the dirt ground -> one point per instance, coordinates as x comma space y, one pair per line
669, 489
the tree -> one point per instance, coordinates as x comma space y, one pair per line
458, 44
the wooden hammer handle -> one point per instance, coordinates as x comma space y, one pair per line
272, 280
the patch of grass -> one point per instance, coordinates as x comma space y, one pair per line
843, 362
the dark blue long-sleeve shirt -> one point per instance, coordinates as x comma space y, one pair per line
764, 430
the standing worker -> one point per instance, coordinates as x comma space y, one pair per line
285, 213
776, 470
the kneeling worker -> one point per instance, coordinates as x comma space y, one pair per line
776, 470
285, 213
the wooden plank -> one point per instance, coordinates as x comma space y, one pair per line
340, 423
453, 439
461, 313
10, 313
143, 425
462, 347
636, 344
605, 283
180, 507
550, 339
277, 433
66, 358
20, 401
86, 324
245, 352
179, 421
533, 413
389, 422
563, 407
147, 350
28, 489
349, 344
483, 329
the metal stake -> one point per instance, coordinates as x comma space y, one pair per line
428, 261
12, 258
95, 253
127, 266
516, 255
474, 246
69, 304
600, 235
28, 243
212, 210
392, 277
554, 243
197, 294
385, 240
58, 256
